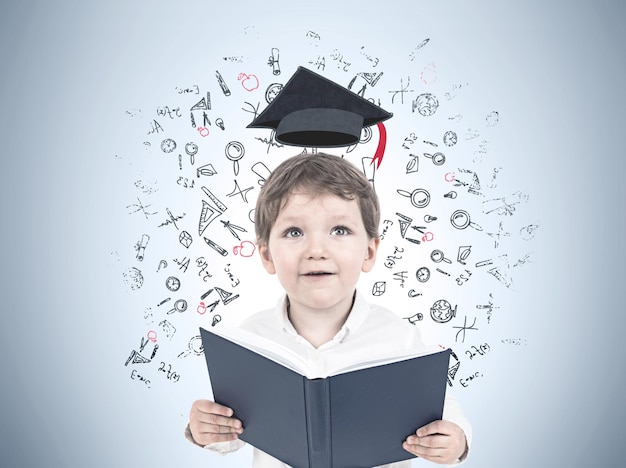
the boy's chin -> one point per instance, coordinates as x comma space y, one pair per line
323, 303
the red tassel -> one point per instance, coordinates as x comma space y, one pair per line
382, 142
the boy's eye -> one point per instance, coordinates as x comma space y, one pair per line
293, 232
340, 231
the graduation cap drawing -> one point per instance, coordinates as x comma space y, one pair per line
313, 111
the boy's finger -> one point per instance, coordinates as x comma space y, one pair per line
225, 437
428, 453
217, 420
219, 429
210, 438
432, 441
435, 427
207, 406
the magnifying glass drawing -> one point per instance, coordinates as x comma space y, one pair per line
234, 152
460, 219
438, 158
191, 149
420, 198
195, 346
179, 306
437, 256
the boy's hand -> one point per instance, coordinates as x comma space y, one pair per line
440, 442
211, 422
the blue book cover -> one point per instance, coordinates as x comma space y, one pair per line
325, 422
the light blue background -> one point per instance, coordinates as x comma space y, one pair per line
69, 69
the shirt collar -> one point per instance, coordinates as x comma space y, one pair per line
358, 314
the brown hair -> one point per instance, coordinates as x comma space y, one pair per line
318, 173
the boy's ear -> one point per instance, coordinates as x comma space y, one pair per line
266, 258
370, 254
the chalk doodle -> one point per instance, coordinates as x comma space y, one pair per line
191, 149
171, 219
185, 239
466, 381
194, 347
420, 198
464, 328
452, 221
272, 91
403, 89
242, 192
460, 219
417, 48
183, 264
422, 274
442, 311
274, 61
133, 278
379, 288
172, 283
476, 351
206, 170
140, 247
233, 229
222, 83
245, 249
248, 82
438, 159
203, 271
170, 374
209, 211
426, 105
141, 207
179, 306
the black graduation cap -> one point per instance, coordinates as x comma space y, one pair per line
313, 111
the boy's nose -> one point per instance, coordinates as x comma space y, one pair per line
316, 247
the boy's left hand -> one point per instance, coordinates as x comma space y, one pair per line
440, 442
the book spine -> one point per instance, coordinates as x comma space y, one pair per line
317, 407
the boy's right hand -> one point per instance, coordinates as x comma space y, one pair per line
210, 422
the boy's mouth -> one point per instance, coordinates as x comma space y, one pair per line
317, 273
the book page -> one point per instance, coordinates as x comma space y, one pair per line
264, 347
382, 359
286, 357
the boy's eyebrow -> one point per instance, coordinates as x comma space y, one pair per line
339, 218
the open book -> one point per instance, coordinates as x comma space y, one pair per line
357, 416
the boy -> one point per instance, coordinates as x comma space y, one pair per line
316, 223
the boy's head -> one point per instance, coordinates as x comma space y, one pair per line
317, 174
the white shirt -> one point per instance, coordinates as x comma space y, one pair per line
369, 331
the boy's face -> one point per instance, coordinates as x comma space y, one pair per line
318, 247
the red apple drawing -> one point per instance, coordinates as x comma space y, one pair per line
249, 82
245, 249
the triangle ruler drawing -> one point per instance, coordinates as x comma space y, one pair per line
227, 297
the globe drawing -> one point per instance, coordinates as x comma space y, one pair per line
442, 311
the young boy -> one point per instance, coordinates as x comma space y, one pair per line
316, 223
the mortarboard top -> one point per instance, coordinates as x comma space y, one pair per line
313, 111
